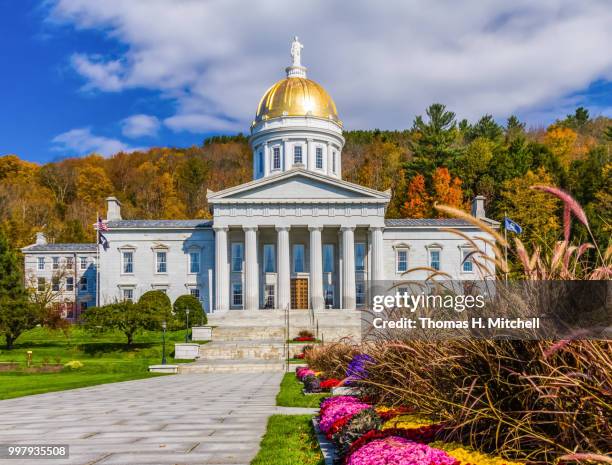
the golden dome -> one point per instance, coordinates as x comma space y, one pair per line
296, 96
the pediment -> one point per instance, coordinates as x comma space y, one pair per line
298, 185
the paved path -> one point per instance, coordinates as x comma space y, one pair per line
185, 419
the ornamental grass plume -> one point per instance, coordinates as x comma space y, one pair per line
398, 451
332, 358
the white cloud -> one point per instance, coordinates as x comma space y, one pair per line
382, 63
81, 141
139, 126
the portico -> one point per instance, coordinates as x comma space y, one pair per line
296, 240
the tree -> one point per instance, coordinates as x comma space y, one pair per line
475, 163
158, 304
486, 128
16, 313
417, 204
126, 316
447, 191
191, 179
535, 211
514, 128
433, 140
196, 312
561, 142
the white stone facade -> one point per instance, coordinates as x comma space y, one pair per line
296, 236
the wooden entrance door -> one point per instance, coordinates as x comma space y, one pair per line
299, 293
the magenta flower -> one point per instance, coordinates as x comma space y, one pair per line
399, 451
338, 410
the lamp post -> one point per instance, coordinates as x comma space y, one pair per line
164, 342
187, 329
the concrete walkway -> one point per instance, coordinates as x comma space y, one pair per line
186, 419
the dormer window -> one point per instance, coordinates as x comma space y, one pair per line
276, 159
297, 154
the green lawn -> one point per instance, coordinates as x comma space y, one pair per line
105, 359
291, 395
289, 440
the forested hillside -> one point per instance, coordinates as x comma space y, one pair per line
438, 159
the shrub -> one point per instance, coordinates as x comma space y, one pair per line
357, 426
305, 333
312, 383
158, 305
73, 365
197, 315
126, 316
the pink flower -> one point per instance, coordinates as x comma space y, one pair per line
338, 410
399, 451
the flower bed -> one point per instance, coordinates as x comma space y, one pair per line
367, 434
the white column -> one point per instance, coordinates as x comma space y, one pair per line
376, 237
251, 268
267, 161
348, 267
316, 268
284, 270
221, 270
310, 155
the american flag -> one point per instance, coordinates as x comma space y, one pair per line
101, 225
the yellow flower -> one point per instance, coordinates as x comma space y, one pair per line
468, 456
407, 422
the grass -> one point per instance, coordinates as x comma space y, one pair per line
289, 440
106, 358
291, 395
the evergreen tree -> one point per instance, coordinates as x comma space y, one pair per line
486, 128
16, 313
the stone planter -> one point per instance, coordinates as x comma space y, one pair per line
201, 333
186, 351
163, 368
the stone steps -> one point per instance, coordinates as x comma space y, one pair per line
232, 366
243, 350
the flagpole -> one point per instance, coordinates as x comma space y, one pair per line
97, 259
506, 245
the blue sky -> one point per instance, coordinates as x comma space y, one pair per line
81, 76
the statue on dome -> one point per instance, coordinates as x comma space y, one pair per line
296, 51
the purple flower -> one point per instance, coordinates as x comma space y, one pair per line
357, 369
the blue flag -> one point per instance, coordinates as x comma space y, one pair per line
512, 226
103, 241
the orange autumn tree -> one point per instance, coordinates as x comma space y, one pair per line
418, 202
447, 190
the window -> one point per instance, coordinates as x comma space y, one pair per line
237, 256
360, 257
360, 294
467, 264
83, 283
401, 260
162, 264
69, 263
83, 306
319, 158
237, 294
334, 162
328, 258
297, 154
42, 284
55, 263
269, 258
195, 292
276, 161
128, 294
434, 259
55, 284
69, 284
402, 291
329, 295
41, 263
269, 296
128, 262
298, 258
260, 162
83, 262
194, 262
